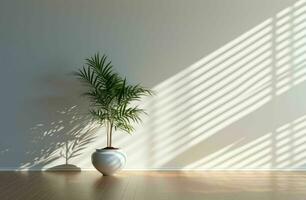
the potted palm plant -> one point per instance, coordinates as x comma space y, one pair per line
112, 102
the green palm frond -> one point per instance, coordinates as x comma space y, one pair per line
99, 115
110, 95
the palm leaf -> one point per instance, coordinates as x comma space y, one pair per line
110, 95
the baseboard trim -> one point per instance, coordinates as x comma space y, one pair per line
216, 170
159, 170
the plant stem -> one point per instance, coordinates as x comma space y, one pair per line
110, 134
107, 134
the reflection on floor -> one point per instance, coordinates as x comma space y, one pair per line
154, 185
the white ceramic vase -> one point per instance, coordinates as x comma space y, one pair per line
108, 161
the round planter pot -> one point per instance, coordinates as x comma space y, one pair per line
108, 161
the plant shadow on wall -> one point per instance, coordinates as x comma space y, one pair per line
60, 141
242, 106
64, 134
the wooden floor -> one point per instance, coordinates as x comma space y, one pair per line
153, 185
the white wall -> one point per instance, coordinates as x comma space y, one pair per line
229, 78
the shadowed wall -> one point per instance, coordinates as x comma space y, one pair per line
229, 78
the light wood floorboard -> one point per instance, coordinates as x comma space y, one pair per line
153, 186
